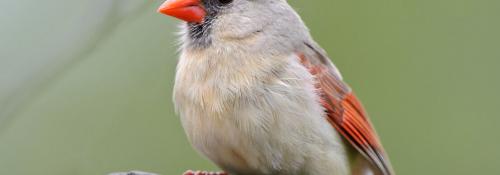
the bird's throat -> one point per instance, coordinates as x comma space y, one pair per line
199, 34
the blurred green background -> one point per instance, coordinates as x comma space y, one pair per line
85, 86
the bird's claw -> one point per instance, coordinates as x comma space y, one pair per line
189, 172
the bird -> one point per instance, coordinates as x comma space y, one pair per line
257, 95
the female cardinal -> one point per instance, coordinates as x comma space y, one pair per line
258, 96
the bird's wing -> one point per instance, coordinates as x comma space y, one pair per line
344, 111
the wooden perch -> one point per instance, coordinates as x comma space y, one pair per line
133, 173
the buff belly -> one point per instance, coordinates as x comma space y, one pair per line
271, 127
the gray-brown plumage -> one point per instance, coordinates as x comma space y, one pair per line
257, 95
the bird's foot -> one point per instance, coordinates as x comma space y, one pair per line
203, 173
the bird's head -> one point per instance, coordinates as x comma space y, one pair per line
248, 22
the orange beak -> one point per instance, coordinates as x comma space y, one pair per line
187, 10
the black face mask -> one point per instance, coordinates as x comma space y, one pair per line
199, 33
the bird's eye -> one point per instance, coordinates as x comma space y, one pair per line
225, 2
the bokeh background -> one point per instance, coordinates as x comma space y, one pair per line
85, 86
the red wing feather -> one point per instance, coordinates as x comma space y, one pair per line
347, 116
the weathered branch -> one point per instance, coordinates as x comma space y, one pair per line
133, 173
